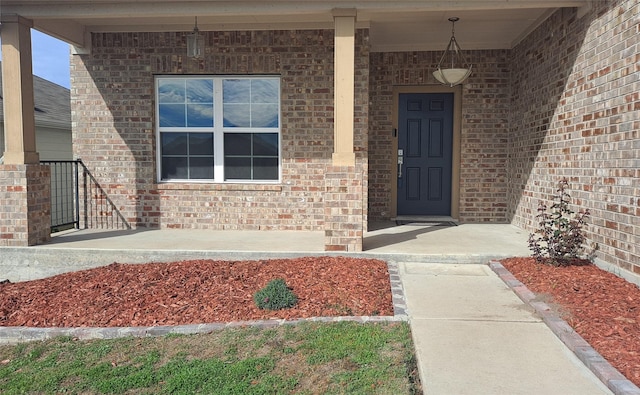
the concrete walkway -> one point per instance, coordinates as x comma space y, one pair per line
472, 334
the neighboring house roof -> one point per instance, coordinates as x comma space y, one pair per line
52, 104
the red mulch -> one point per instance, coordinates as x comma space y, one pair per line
198, 291
602, 307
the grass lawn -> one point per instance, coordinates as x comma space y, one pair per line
309, 358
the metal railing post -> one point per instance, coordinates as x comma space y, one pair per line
86, 203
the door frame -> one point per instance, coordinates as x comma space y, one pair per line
457, 131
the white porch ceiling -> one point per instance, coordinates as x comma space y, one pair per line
395, 25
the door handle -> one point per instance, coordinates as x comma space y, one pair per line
400, 162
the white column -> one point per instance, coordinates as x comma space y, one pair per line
17, 91
344, 77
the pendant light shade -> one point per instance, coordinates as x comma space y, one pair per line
195, 43
452, 68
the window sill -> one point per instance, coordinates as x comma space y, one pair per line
169, 186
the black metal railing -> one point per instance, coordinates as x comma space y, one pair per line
65, 209
78, 200
99, 210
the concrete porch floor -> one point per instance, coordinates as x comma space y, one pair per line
82, 249
383, 237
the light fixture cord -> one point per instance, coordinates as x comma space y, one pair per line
454, 51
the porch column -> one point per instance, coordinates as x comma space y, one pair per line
344, 178
17, 91
25, 213
343, 77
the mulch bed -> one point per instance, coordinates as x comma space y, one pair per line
197, 291
602, 308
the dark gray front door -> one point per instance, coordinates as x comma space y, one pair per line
425, 140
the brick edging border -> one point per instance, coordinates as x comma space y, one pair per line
609, 375
17, 334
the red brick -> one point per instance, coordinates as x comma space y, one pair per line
603, 177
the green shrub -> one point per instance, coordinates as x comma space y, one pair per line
275, 296
559, 239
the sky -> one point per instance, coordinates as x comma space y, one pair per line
50, 58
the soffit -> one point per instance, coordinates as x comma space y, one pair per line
397, 25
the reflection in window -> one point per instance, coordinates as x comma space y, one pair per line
236, 116
185, 103
251, 103
199, 91
236, 91
171, 91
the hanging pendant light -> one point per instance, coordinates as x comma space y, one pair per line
195, 43
452, 69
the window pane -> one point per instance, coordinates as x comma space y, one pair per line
201, 168
199, 115
265, 144
174, 144
264, 115
236, 91
201, 144
236, 115
172, 115
264, 91
237, 168
171, 91
265, 168
237, 144
174, 168
199, 90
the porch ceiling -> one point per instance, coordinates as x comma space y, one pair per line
395, 25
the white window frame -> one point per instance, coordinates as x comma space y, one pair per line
218, 130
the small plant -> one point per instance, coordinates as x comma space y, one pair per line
275, 296
559, 239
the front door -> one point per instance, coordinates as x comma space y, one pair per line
425, 142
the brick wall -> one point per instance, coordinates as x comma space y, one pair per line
25, 214
113, 125
345, 208
485, 129
576, 114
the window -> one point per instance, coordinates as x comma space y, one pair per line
195, 145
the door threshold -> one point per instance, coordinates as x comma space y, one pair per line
425, 219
